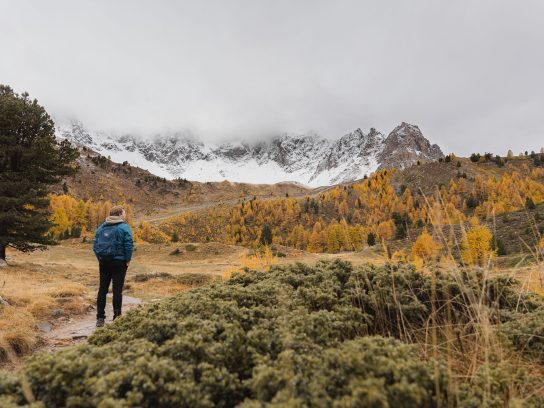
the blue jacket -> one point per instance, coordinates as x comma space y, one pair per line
125, 237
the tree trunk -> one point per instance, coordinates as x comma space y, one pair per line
2, 252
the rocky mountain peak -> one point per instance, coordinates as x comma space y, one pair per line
405, 145
305, 158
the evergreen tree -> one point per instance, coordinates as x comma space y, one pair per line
371, 239
175, 237
498, 246
472, 202
266, 235
31, 160
76, 231
529, 203
401, 221
475, 157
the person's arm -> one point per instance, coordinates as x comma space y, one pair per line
128, 244
95, 240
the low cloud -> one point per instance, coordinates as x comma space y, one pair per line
468, 73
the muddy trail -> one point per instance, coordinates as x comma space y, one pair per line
78, 328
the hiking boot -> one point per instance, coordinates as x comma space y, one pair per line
116, 314
100, 322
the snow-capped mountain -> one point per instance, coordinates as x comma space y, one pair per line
308, 159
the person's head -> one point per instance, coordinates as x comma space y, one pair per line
118, 211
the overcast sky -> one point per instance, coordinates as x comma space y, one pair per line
470, 73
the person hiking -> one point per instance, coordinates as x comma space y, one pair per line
113, 248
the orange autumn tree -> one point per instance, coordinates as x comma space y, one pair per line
149, 233
478, 246
340, 219
72, 217
425, 248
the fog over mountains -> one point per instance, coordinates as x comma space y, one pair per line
308, 159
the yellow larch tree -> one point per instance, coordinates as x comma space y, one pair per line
425, 248
478, 246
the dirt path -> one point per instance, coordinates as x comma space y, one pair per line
175, 211
79, 328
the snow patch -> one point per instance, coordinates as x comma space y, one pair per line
308, 159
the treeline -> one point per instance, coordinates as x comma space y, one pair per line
537, 158
346, 218
350, 217
74, 218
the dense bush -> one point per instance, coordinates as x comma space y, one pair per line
525, 332
189, 279
11, 393
194, 278
294, 336
146, 276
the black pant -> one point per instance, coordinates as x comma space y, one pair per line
111, 271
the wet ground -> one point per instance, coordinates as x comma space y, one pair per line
79, 328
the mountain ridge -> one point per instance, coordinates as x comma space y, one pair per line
308, 159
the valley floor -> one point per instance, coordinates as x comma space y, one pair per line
51, 293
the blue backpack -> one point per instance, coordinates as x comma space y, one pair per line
107, 243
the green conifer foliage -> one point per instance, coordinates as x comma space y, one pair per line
31, 159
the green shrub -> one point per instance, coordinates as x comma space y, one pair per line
529, 203
11, 393
176, 251
279, 254
145, 276
194, 279
141, 277
492, 386
190, 247
525, 332
297, 335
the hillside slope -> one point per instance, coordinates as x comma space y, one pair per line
393, 206
100, 178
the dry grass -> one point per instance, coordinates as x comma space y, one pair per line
17, 333
469, 347
67, 291
41, 307
259, 260
153, 289
33, 292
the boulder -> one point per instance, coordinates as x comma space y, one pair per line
44, 327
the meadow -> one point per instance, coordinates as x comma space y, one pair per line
327, 334
58, 286
413, 288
